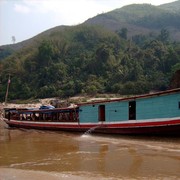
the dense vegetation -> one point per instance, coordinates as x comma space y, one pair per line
91, 60
131, 50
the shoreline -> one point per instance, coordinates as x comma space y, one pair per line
60, 102
20, 174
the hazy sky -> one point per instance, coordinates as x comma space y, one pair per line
27, 18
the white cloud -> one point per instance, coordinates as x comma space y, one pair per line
69, 9
21, 8
63, 11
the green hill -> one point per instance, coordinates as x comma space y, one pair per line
91, 59
173, 7
142, 19
138, 19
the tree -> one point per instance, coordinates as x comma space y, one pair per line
123, 33
45, 53
164, 36
13, 39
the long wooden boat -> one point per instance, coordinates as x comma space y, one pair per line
150, 114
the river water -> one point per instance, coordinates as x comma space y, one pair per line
32, 154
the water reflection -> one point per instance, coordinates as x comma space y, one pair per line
136, 164
109, 156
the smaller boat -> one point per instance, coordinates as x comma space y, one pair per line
149, 114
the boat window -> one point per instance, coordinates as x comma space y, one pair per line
179, 105
64, 115
132, 110
101, 112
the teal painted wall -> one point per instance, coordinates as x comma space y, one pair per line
146, 108
88, 113
114, 111
117, 111
158, 107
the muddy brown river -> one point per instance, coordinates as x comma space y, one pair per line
32, 154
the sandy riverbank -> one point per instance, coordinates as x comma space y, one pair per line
29, 105
18, 174
64, 102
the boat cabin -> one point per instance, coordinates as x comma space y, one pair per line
145, 107
43, 114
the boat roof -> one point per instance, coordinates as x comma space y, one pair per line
160, 93
37, 110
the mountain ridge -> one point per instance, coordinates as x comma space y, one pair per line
88, 58
111, 21
141, 19
174, 6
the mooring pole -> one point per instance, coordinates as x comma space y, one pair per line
7, 90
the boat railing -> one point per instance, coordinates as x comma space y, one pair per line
54, 115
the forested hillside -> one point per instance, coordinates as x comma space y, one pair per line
142, 19
173, 7
90, 59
